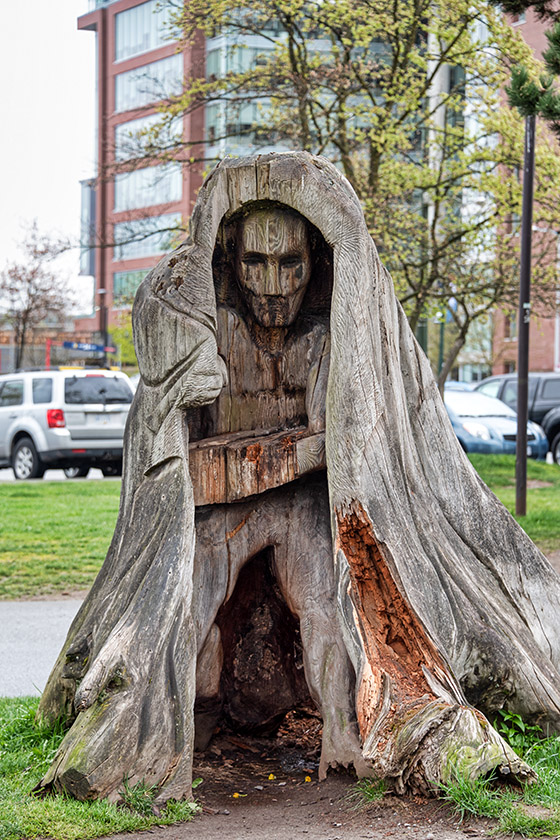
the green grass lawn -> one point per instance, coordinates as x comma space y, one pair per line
54, 535
542, 522
26, 751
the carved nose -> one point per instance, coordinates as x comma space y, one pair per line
272, 279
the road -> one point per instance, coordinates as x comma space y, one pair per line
33, 632
32, 636
50, 475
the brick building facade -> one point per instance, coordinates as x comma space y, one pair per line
131, 217
544, 341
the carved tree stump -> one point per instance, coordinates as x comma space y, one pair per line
298, 522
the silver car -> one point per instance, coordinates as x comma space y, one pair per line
72, 419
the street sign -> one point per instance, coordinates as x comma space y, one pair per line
88, 348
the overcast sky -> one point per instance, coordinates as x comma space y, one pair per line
47, 70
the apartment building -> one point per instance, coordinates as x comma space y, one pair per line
131, 210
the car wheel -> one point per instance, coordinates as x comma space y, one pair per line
76, 472
25, 461
555, 449
112, 469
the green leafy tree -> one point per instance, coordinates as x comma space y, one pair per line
407, 98
122, 338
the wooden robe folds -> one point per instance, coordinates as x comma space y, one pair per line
413, 603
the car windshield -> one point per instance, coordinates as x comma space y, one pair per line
473, 404
79, 390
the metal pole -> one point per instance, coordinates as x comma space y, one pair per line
102, 196
422, 334
441, 342
523, 320
103, 323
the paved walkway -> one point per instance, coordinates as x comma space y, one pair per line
31, 636
50, 475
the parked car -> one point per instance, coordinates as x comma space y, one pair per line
455, 385
543, 402
72, 419
484, 424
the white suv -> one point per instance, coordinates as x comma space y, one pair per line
69, 419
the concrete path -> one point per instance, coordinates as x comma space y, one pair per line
31, 636
50, 475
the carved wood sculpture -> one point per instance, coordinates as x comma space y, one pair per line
391, 587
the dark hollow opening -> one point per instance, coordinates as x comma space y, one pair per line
263, 675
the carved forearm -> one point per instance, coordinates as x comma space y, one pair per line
234, 466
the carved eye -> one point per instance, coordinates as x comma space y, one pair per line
291, 262
253, 260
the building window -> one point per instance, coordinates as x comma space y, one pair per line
510, 325
146, 237
213, 64
145, 187
133, 140
142, 28
149, 83
87, 228
125, 284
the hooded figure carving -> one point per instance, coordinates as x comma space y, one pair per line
279, 371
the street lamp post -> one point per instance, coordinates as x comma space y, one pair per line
103, 323
523, 320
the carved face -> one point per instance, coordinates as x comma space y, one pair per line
273, 265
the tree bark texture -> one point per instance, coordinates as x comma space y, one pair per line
344, 553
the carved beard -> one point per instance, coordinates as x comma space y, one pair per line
274, 310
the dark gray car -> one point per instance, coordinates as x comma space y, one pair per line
544, 401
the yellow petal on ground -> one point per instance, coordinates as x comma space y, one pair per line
271, 777
307, 779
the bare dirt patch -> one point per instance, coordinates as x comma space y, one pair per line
66, 595
256, 788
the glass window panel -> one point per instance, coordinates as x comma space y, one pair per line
146, 237
149, 83
490, 388
96, 389
213, 63
12, 392
551, 389
510, 393
125, 284
131, 142
142, 28
87, 228
42, 390
148, 186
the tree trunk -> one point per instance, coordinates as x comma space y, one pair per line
304, 529
456, 348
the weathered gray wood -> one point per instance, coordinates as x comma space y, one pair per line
415, 591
